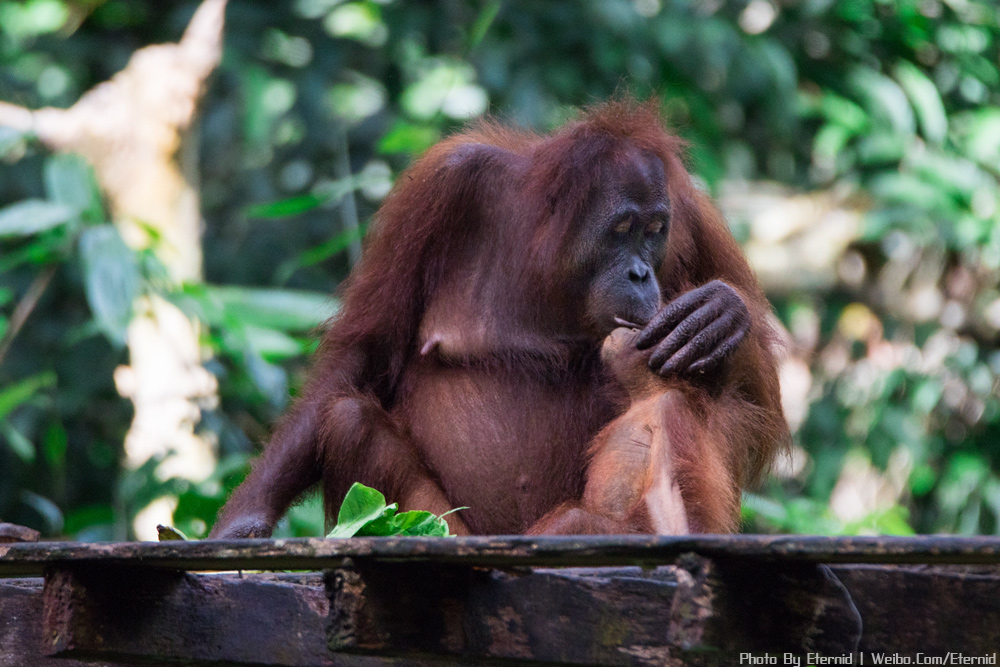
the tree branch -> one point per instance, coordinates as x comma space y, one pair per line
25, 307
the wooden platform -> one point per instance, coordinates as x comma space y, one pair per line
605, 600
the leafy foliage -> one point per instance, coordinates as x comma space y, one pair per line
364, 513
170, 534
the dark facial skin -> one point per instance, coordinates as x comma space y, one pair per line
626, 244
691, 335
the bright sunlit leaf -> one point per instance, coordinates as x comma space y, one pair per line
32, 216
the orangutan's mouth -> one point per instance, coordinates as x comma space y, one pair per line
625, 323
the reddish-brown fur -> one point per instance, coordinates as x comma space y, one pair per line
659, 467
460, 370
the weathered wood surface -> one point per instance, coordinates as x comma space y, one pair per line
21, 626
11, 532
137, 616
928, 609
695, 613
700, 616
591, 551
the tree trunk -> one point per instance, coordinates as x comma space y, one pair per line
137, 130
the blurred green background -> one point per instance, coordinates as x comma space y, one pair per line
853, 144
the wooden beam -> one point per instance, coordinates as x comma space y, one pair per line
10, 532
134, 615
21, 627
501, 551
698, 612
929, 610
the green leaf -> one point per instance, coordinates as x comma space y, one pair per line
279, 309
365, 514
830, 140
758, 505
483, 23
170, 534
69, 180
317, 254
980, 136
111, 279
956, 175
286, 207
55, 442
881, 148
272, 344
361, 505
306, 518
884, 98
419, 523
406, 521
270, 379
922, 480
18, 393
782, 67
381, 526
45, 249
844, 112
889, 521
32, 216
404, 137
910, 190
926, 395
23, 448
48, 510
926, 102
82, 518
35, 17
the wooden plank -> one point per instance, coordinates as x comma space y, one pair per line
11, 532
597, 616
698, 612
141, 616
503, 551
21, 627
929, 610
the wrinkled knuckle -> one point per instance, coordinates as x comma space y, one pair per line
254, 526
665, 312
673, 341
706, 364
651, 333
661, 358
